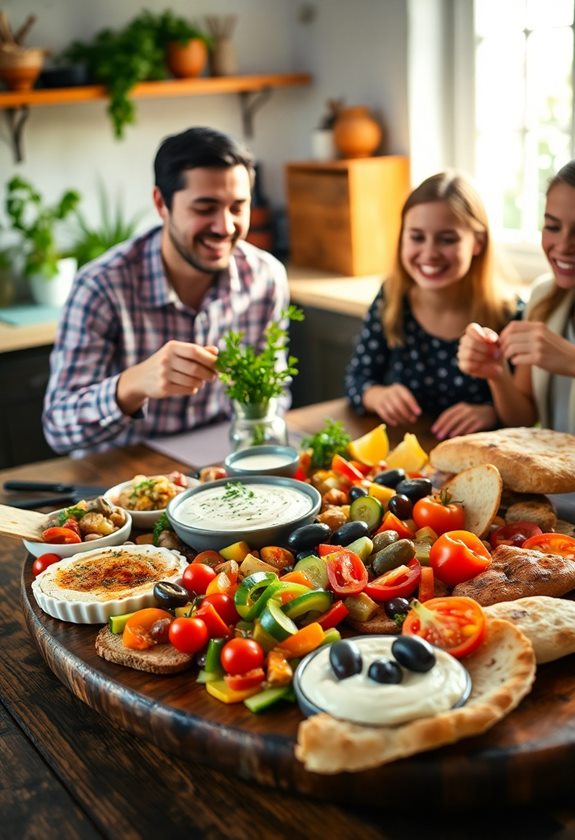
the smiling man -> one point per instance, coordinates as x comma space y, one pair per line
138, 339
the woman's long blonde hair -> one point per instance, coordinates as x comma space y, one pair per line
544, 308
487, 305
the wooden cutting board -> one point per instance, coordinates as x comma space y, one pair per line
22, 524
529, 757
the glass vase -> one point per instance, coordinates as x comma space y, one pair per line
254, 424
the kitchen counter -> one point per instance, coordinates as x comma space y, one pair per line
309, 287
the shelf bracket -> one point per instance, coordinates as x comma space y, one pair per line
16, 118
250, 102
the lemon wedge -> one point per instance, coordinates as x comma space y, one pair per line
407, 455
371, 447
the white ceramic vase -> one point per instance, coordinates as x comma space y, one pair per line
53, 291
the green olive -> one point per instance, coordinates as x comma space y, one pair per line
384, 538
392, 556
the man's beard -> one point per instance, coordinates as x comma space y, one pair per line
187, 255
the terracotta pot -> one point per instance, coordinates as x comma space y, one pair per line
356, 133
20, 66
186, 60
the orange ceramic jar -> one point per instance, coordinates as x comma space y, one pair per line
356, 133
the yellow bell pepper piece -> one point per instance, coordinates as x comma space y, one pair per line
221, 691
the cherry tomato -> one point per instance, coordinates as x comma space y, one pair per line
137, 634
392, 523
239, 682
225, 606
457, 556
188, 635
346, 571
42, 562
239, 656
455, 624
439, 513
197, 577
552, 544
514, 533
397, 583
60, 536
210, 557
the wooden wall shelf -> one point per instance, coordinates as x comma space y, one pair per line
252, 90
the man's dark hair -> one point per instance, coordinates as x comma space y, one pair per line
193, 148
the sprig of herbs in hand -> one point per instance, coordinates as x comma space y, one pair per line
251, 377
329, 441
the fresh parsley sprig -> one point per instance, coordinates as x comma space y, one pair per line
329, 441
251, 377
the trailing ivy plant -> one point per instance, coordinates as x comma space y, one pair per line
120, 59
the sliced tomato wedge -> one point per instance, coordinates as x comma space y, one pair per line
346, 572
514, 533
455, 624
60, 536
397, 583
457, 556
552, 544
239, 682
392, 523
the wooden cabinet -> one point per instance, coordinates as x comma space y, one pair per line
23, 380
344, 215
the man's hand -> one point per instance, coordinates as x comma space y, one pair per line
395, 404
464, 419
177, 369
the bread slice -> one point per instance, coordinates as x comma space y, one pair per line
537, 510
160, 659
530, 460
502, 671
548, 622
479, 491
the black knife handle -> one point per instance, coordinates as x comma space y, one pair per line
50, 486
32, 504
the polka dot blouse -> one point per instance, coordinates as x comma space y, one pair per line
425, 364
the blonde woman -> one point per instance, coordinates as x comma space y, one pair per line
405, 359
541, 348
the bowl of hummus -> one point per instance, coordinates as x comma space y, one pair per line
262, 510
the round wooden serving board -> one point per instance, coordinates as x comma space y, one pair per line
528, 757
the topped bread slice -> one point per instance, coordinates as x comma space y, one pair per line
478, 489
530, 460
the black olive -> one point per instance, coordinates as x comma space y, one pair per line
396, 606
385, 671
356, 491
414, 653
308, 536
414, 488
345, 659
400, 505
350, 531
390, 478
169, 594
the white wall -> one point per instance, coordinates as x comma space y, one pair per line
353, 50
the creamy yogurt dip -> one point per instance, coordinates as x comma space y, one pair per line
360, 699
266, 461
234, 504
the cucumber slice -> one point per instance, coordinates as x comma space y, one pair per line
275, 622
315, 569
315, 600
259, 702
253, 593
369, 509
116, 623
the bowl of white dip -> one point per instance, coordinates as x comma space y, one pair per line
262, 510
267, 459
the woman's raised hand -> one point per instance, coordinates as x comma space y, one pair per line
480, 353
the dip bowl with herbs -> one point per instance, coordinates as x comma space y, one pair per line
262, 510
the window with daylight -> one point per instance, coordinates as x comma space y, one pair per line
523, 79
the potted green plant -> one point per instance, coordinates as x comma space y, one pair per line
92, 240
253, 381
120, 59
49, 269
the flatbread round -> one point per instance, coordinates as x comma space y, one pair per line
530, 460
549, 623
502, 671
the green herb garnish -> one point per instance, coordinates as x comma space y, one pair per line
71, 513
251, 377
161, 524
331, 440
237, 490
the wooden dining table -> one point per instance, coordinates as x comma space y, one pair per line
67, 771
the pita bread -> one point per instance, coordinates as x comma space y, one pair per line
479, 491
502, 671
530, 460
548, 622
